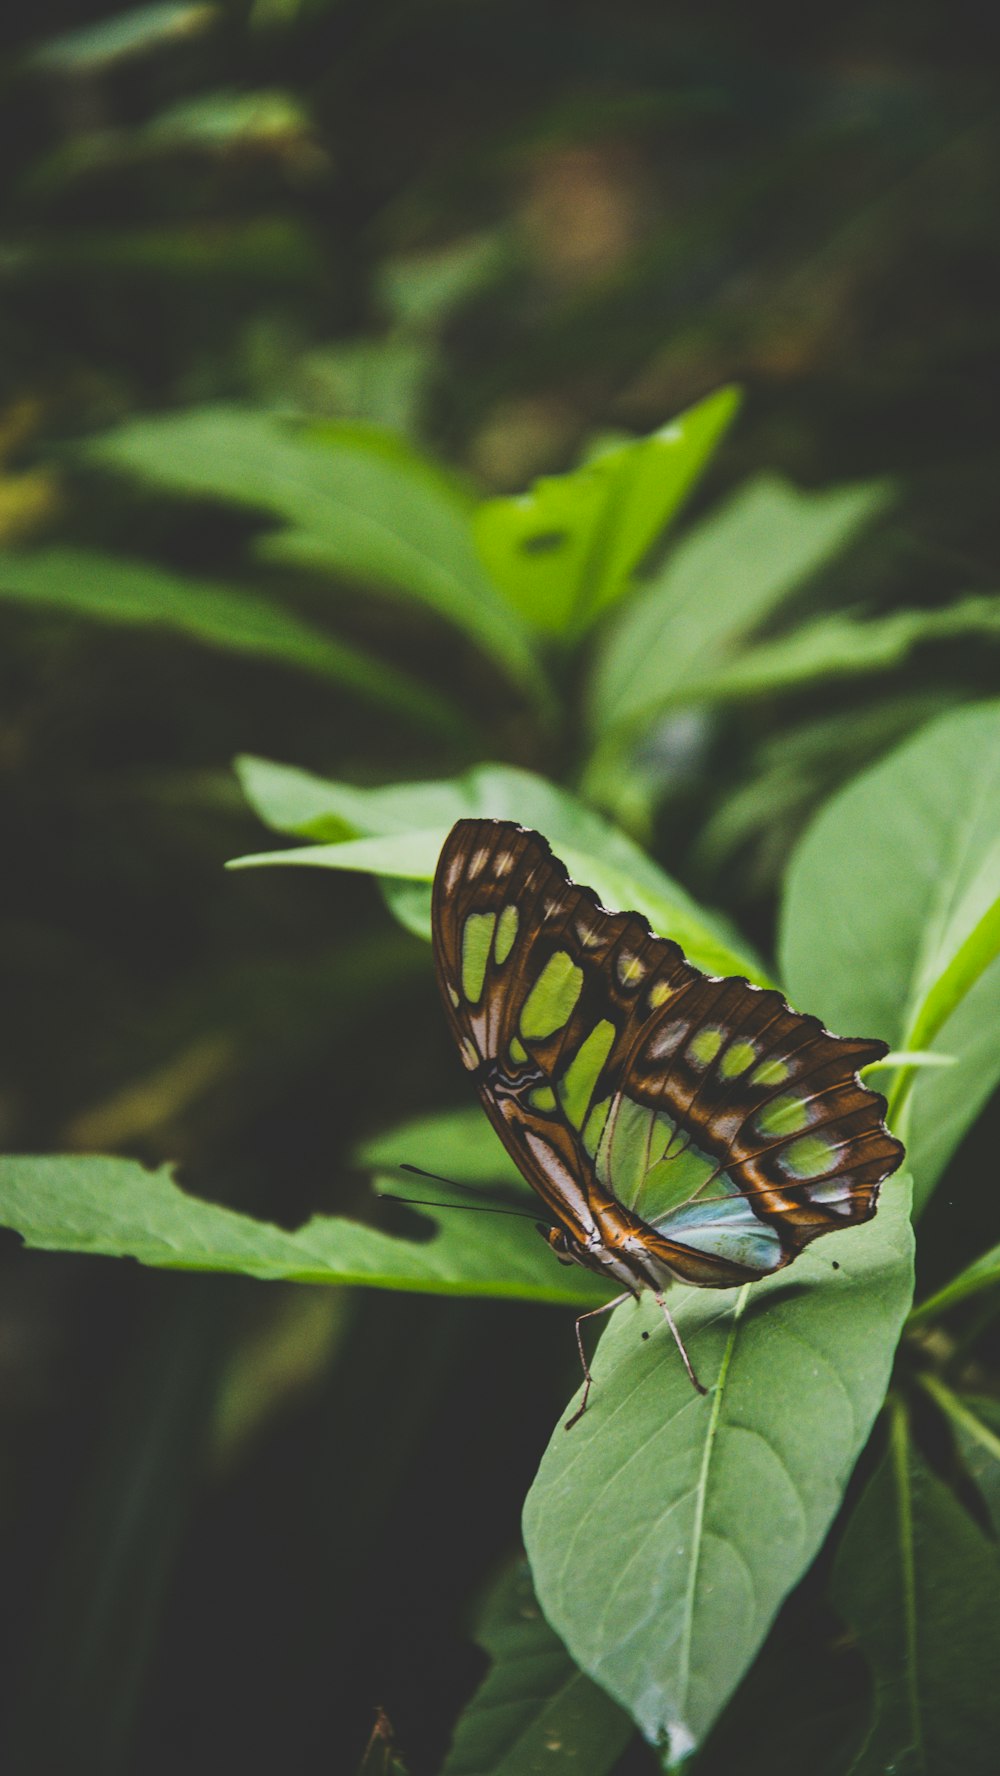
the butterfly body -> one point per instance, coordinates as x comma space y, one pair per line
677, 1126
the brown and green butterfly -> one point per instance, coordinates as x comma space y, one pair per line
677, 1126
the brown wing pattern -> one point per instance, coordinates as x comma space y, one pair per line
769, 1095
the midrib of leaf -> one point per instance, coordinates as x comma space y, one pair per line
702, 1491
900, 1451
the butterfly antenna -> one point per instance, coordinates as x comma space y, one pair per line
456, 1184
422, 1202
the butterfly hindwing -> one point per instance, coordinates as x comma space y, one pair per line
726, 1129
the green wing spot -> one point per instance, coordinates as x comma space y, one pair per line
518, 1052
477, 936
783, 1116
542, 1098
552, 998
770, 1073
737, 1058
594, 1126
576, 1087
808, 1157
704, 1046
506, 933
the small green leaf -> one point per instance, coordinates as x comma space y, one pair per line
982, 1274
567, 549
665, 1529
920, 1586
975, 1422
594, 852
136, 593
134, 32
727, 575
891, 927
837, 647
115, 1207
351, 499
534, 1713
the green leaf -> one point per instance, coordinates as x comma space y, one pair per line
920, 1586
665, 1529
534, 1713
567, 549
97, 46
837, 647
351, 499
111, 590
982, 1274
117, 1208
975, 1422
404, 827
891, 922
727, 575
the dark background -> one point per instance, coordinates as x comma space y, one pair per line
236, 1517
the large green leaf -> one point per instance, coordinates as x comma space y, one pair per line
112, 590
404, 827
920, 1586
351, 499
117, 1208
665, 1528
891, 921
727, 575
568, 548
534, 1713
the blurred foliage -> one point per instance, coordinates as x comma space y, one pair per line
297, 299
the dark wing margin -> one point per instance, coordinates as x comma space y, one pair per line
766, 1092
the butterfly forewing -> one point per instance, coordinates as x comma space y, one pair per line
724, 1128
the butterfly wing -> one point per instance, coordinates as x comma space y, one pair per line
703, 1117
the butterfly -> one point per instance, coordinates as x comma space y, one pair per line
677, 1126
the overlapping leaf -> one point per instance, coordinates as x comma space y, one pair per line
567, 549
139, 594
534, 1712
401, 829
891, 923
726, 577
115, 1207
350, 499
919, 1585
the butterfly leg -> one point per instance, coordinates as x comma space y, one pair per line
678, 1340
591, 1314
